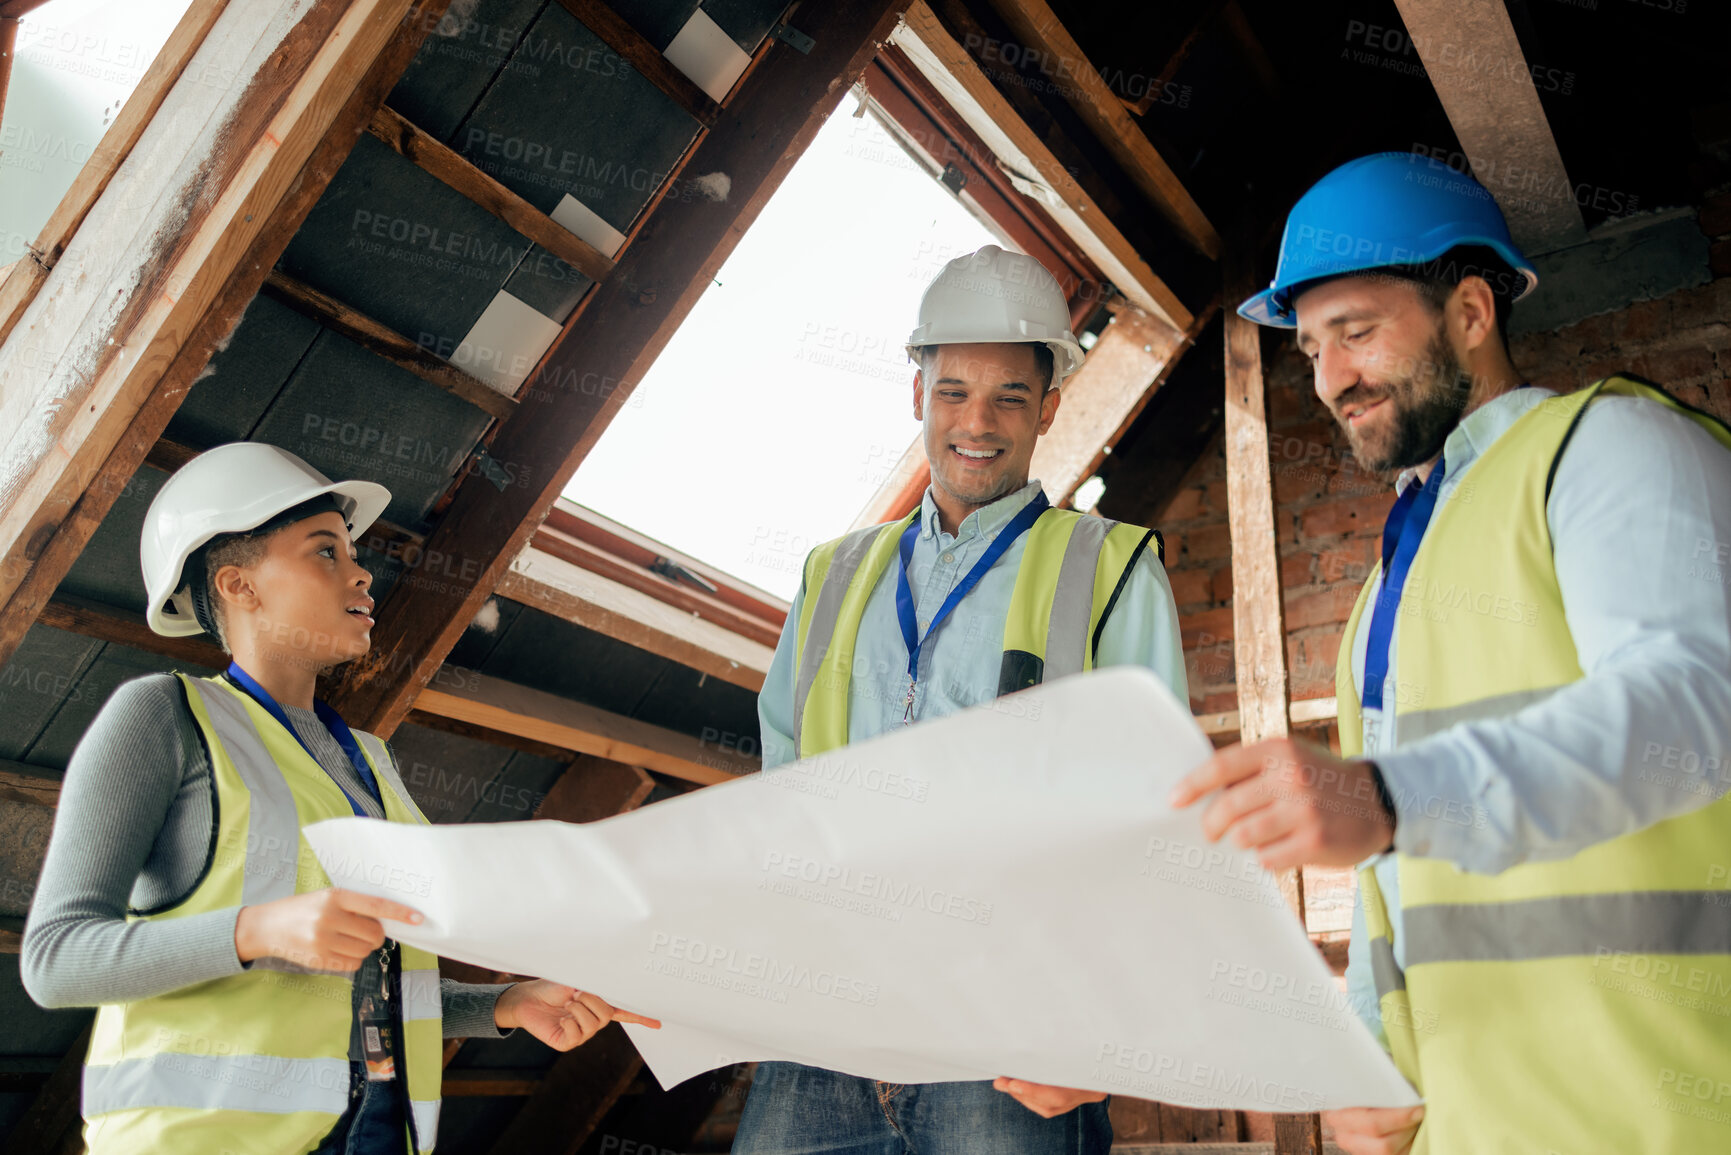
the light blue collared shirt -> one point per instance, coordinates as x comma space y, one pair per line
1640, 522
959, 666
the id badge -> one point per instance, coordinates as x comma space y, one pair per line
377, 1040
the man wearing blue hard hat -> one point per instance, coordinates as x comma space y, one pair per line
1534, 693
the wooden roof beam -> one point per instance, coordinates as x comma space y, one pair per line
934, 50
779, 106
496, 704
1086, 92
1129, 362
432, 156
1490, 99
387, 343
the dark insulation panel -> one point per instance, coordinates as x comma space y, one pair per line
405, 249
226, 403
459, 779
350, 414
658, 20
116, 664
747, 21
457, 62
40, 678
588, 124
108, 571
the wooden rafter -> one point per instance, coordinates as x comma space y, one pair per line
1121, 372
292, 134
494, 704
614, 337
629, 43
1180, 55
433, 157
937, 53
1259, 634
387, 343
1494, 107
1085, 90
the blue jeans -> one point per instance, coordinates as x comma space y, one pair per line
373, 1124
798, 1110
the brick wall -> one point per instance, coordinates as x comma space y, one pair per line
1329, 513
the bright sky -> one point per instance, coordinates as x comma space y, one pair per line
77, 62
785, 399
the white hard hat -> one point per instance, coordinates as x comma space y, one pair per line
230, 489
991, 296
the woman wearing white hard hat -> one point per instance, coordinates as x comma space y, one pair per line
246, 1003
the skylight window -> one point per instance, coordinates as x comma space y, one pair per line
785, 399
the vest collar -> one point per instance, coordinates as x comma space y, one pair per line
1479, 430
986, 521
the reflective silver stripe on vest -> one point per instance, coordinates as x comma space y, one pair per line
1639, 922
1410, 727
1073, 600
1383, 968
273, 834
426, 1121
422, 998
842, 567
383, 764
218, 1083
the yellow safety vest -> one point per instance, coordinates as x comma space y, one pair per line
257, 1063
1073, 568
1581, 1005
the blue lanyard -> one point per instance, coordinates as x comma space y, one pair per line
333, 722
1401, 535
1007, 537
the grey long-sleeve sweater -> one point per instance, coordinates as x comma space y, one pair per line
132, 831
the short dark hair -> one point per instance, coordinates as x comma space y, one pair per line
1044, 363
1436, 279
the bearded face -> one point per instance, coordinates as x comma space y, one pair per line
1403, 419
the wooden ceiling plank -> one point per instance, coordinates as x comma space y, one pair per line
946, 65
387, 343
774, 114
629, 43
432, 156
1480, 74
1087, 92
500, 705
289, 136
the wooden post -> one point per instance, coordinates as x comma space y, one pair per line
1258, 620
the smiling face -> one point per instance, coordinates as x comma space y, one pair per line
1384, 367
982, 407
304, 598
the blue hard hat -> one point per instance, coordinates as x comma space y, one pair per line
1392, 208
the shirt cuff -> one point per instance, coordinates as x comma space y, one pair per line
469, 1010
1440, 807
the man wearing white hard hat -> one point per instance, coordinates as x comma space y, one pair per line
1535, 701
245, 1001
981, 591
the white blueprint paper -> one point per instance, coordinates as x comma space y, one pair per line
1000, 892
